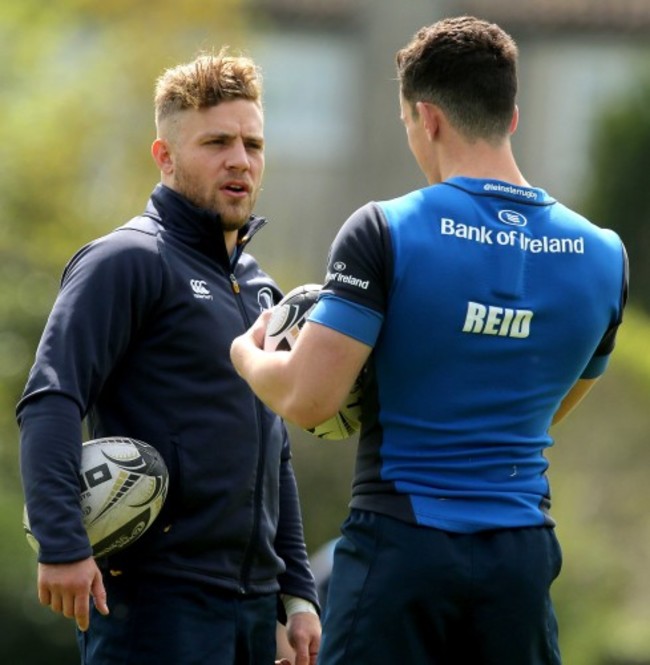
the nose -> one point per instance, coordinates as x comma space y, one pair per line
237, 158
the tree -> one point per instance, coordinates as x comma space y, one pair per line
618, 197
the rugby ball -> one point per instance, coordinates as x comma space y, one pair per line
123, 485
289, 316
287, 319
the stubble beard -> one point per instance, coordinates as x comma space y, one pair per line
232, 215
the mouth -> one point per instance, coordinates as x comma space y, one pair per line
236, 188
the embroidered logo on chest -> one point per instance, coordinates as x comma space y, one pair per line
200, 289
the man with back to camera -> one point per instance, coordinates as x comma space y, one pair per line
138, 341
482, 311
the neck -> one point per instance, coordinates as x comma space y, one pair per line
230, 238
479, 160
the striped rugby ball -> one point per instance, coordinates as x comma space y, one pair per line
287, 319
123, 484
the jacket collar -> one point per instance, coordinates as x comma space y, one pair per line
196, 226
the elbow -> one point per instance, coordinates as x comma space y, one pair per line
307, 414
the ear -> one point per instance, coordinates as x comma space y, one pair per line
162, 155
515, 120
430, 115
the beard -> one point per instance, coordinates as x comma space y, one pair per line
233, 213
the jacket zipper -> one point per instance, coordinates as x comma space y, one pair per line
235, 287
248, 554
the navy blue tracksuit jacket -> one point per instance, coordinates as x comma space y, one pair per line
138, 344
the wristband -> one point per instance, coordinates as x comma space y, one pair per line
293, 604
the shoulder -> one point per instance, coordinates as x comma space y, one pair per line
366, 235
137, 237
365, 222
133, 248
382, 218
599, 236
417, 203
385, 211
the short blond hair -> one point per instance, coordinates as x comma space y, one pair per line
206, 81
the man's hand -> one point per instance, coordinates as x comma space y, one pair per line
66, 589
257, 332
303, 633
251, 340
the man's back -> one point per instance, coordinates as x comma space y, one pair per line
483, 312
496, 299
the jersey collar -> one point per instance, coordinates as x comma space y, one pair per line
501, 189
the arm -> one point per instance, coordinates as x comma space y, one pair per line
50, 451
307, 385
297, 580
105, 293
599, 361
577, 393
297, 585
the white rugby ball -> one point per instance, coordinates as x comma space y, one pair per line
287, 319
289, 316
124, 484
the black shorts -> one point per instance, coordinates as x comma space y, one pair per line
401, 593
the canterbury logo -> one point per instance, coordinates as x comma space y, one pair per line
200, 289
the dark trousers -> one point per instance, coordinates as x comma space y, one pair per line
157, 620
406, 594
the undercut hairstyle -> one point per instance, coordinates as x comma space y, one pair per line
468, 68
206, 81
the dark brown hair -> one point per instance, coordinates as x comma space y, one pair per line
467, 67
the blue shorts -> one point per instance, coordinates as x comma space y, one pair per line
401, 593
156, 620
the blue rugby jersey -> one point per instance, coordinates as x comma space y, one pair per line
484, 303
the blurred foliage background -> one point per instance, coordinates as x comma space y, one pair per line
76, 84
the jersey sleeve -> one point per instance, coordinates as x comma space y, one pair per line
599, 361
354, 297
